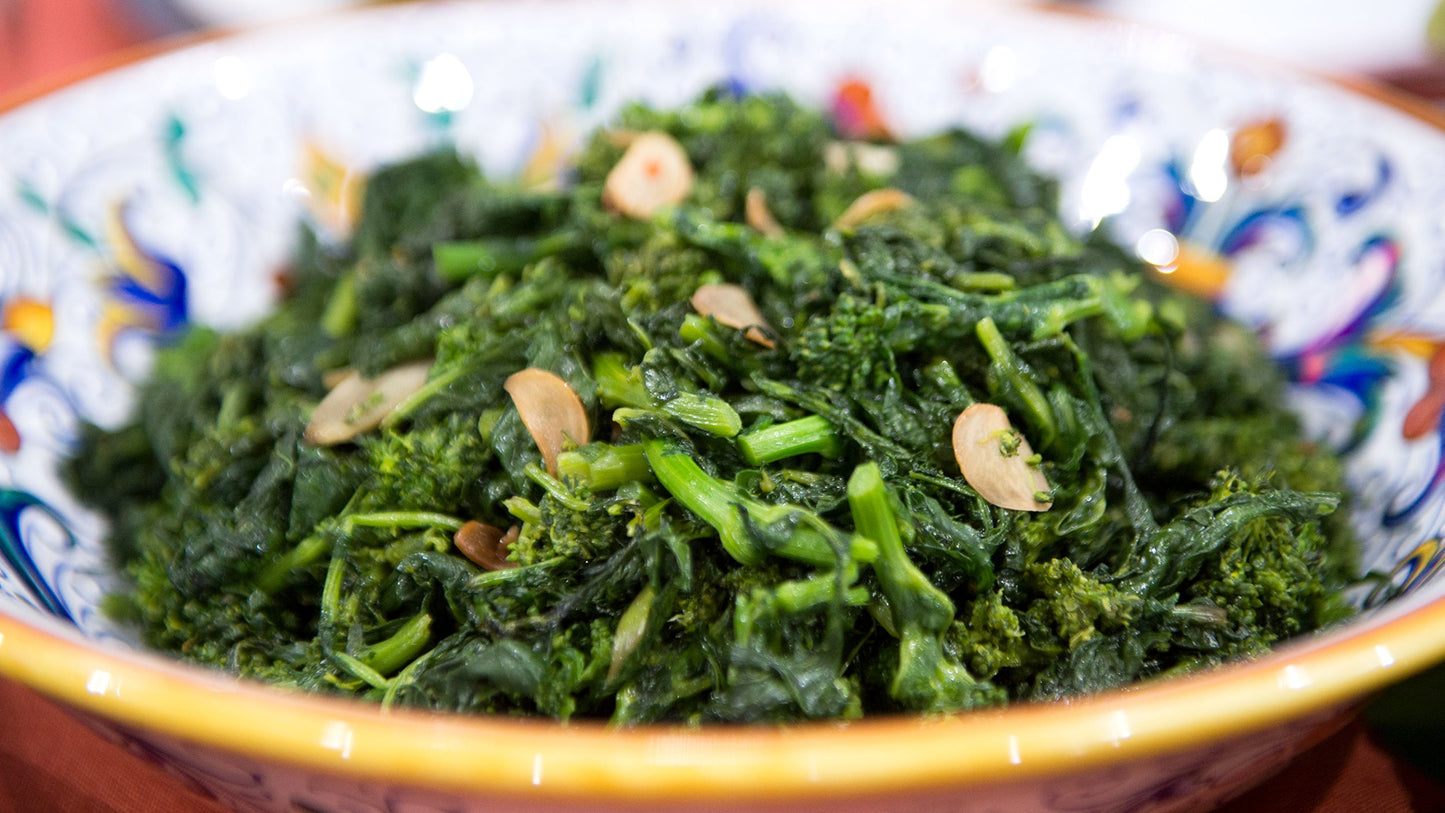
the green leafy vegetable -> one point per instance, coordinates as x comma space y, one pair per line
772, 524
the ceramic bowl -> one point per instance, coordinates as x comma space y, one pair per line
165, 192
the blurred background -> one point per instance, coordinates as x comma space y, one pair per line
1401, 41
45, 43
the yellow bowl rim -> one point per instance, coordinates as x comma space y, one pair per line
579, 761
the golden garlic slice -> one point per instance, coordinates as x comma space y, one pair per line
872, 203
731, 305
356, 405
757, 214
994, 459
653, 173
551, 411
871, 159
485, 545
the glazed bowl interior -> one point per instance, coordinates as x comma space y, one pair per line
202, 160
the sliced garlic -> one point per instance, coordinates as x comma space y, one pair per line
331, 378
653, 173
870, 159
551, 411
872, 203
757, 214
355, 404
732, 306
621, 138
994, 459
485, 545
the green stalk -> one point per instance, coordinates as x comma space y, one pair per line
404, 679
405, 644
409, 405
708, 413
275, 575
463, 259
912, 597
619, 385
800, 595
329, 611
359, 670
604, 467
523, 509
556, 488
739, 519
404, 519
810, 435
698, 331
1041, 415
631, 628
339, 318
985, 281
491, 578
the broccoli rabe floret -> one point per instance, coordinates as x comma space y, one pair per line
1270, 581
1074, 605
427, 468
583, 531
991, 637
848, 348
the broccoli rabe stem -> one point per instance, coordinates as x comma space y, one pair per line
1040, 413
708, 413
983, 281
274, 576
750, 530
555, 488
359, 670
874, 444
794, 597
619, 385
330, 611
809, 435
912, 597
927, 679
436, 384
397, 651
698, 331
631, 628
817, 591
404, 519
604, 467
339, 318
1091, 413
460, 260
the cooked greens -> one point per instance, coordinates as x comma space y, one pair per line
677, 442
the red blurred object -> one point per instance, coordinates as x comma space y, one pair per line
40, 39
856, 112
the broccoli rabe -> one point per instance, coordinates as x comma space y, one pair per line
686, 445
